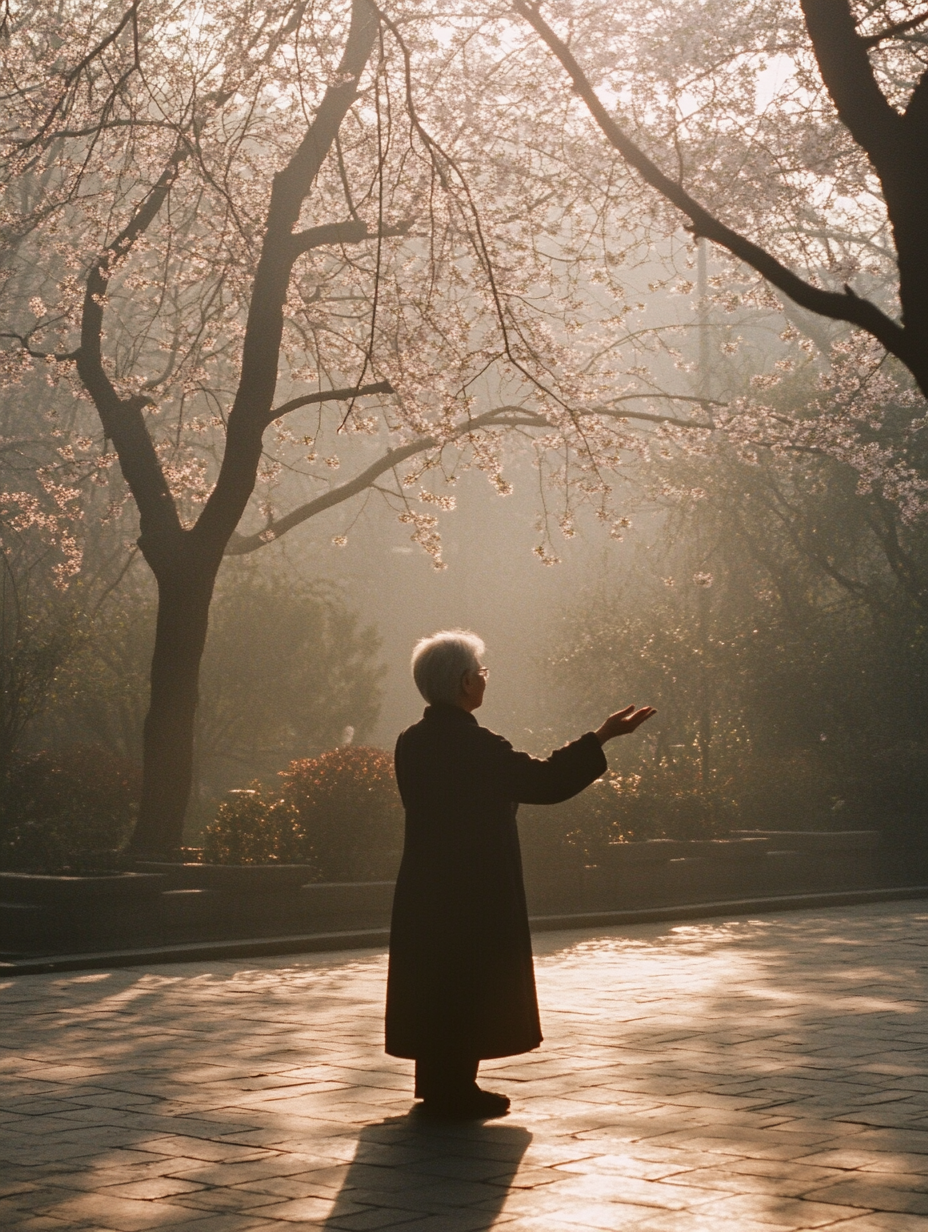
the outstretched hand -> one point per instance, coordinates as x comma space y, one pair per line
623, 722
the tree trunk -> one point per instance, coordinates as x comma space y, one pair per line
185, 562
184, 593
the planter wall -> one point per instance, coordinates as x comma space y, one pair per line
71, 914
231, 878
666, 872
175, 903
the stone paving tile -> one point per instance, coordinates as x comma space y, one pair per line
883, 1223
751, 1075
874, 1195
220, 1200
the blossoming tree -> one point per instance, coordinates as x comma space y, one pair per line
219, 220
256, 246
793, 137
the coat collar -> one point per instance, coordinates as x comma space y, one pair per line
443, 711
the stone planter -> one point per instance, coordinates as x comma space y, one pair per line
819, 841
667, 872
232, 878
213, 901
824, 859
167, 903
662, 872
730, 850
65, 913
332, 906
652, 851
263, 909
49, 890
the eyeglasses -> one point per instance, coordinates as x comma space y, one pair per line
484, 672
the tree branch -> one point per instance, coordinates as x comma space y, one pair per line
352, 231
499, 417
897, 27
842, 307
330, 395
130, 16
60, 357
647, 417
123, 418
240, 545
900, 561
916, 112
251, 410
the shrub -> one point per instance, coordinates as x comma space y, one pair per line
893, 783
621, 808
800, 789
671, 802
350, 812
66, 811
253, 827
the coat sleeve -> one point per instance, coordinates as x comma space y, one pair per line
534, 780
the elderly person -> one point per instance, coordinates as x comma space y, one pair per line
461, 984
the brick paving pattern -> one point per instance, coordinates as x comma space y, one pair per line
747, 1075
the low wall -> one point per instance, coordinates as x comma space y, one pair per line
164, 904
664, 872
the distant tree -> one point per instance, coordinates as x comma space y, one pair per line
39, 635
783, 649
286, 672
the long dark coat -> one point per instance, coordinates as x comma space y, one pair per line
461, 975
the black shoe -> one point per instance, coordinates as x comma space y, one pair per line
476, 1105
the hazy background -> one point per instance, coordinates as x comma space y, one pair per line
493, 584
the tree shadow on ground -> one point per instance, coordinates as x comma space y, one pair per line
431, 1168
726, 1068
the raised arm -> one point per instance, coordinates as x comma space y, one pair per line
546, 780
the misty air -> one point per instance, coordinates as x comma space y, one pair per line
464, 615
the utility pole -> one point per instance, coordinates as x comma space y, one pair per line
704, 389
704, 375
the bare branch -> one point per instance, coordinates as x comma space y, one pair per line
240, 545
330, 395
61, 357
499, 417
352, 231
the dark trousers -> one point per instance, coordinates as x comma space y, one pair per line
445, 1075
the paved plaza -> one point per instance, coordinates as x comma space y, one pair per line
746, 1075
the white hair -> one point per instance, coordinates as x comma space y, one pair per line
439, 663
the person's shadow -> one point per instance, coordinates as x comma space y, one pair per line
430, 1168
